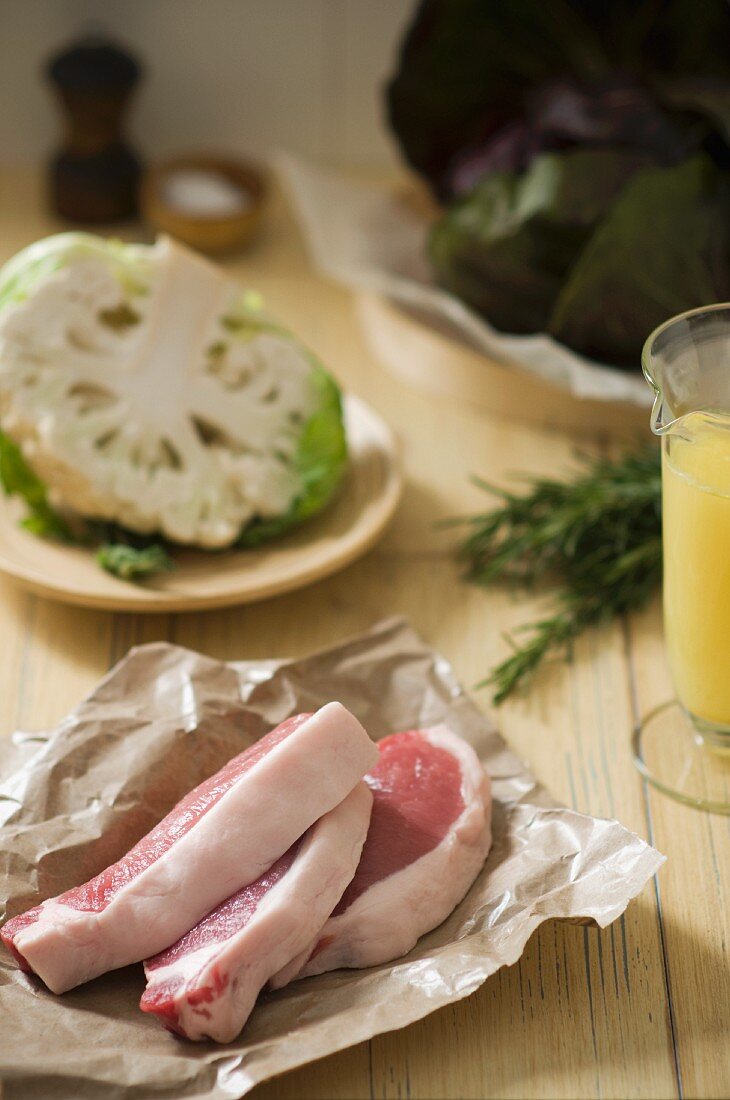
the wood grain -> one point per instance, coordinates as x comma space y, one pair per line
638, 1010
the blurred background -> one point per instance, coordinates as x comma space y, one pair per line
552, 152
248, 76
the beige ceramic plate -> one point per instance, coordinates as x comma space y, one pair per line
435, 361
348, 528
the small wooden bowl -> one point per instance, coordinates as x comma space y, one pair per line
206, 233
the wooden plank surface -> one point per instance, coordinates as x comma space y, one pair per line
638, 1010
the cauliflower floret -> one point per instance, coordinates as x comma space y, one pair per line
164, 404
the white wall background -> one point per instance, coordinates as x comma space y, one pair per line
247, 76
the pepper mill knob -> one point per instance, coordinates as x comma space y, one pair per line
95, 177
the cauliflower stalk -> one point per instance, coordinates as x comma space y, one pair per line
144, 388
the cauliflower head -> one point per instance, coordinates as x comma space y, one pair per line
144, 387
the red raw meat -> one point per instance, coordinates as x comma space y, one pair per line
430, 832
205, 985
224, 834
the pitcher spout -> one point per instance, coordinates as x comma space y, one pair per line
685, 361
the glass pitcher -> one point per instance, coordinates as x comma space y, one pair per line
683, 747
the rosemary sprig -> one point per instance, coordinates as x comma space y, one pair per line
597, 538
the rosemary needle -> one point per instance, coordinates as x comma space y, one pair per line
596, 538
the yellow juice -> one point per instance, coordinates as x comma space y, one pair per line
696, 538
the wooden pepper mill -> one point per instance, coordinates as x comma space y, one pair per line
95, 177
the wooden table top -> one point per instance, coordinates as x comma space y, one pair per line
641, 1009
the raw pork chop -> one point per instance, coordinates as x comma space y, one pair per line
223, 834
429, 835
205, 985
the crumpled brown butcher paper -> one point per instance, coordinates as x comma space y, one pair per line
76, 798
